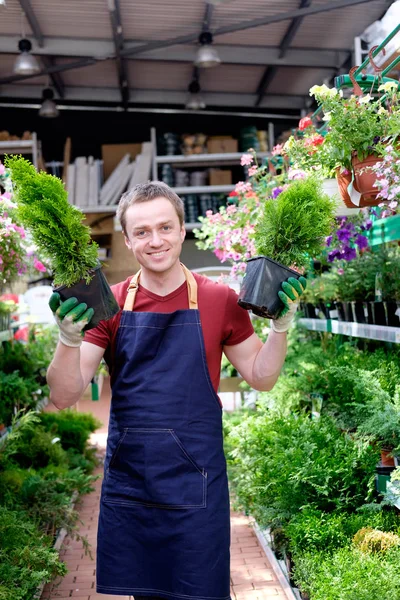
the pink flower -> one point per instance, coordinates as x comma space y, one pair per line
277, 149
246, 160
2, 169
39, 266
393, 204
253, 170
242, 187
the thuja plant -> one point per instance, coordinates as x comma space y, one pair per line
55, 225
293, 227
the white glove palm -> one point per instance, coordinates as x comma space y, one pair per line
71, 318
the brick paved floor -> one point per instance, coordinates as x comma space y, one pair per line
252, 577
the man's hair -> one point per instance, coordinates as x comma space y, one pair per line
144, 192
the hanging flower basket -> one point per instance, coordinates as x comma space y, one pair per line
343, 180
364, 179
261, 284
96, 294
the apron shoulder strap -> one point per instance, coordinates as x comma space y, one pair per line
134, 285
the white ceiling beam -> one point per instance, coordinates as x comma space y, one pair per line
87, 94
246, 55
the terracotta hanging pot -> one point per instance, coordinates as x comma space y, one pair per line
364, 179
344, 180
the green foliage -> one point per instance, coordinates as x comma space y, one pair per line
13, 393
56, 226
323, 288
285, 463
384, 426
26, 558
317, 531
34, 449
349, 574
293, 227
72, 427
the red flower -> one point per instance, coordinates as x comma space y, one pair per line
304, 123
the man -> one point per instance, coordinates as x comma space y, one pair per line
164, 513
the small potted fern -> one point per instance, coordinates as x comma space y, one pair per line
291, 231
58, 232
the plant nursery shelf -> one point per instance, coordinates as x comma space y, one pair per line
370, 332
204, 189
204, 160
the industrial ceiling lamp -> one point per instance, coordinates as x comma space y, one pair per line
26, 63
49, 108
207, 56
195, 100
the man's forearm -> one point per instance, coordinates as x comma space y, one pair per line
269, 361
64, 377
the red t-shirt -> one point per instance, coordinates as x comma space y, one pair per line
223, 321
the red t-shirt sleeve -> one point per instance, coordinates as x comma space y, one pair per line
238, 326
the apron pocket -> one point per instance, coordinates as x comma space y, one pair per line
151, 467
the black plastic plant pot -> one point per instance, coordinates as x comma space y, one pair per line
344, 311
359, 312
261, 284
310, 311
97, 295
392, 319
370, 313
379, 312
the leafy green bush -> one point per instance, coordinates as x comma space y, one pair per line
294, 226
72, 427
34, 449
13, 393
317, 531
285, 463
26, 558
349, 574
56, 226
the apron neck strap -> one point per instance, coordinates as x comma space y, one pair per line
191, 285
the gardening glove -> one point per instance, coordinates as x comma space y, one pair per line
71, 318
292, 289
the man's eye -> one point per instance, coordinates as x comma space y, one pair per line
141, 233
166, 227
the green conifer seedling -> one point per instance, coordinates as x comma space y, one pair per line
293, 227
55, 225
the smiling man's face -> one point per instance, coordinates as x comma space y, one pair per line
154, 234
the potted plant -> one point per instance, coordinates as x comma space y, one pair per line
358, 130
57, 230
291, 230
383, 425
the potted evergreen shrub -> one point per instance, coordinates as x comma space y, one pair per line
58, 232
291, 230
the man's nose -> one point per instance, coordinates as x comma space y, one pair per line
156, 239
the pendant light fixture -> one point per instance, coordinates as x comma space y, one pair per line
26, 63
195, 100
49, 108
207, 56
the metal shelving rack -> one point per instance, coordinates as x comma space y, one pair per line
380, 333
22, 147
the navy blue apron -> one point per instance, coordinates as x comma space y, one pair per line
164, 526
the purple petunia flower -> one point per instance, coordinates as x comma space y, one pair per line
361, 241
328, 241
333, 254
276, 191
349, 253
343, 235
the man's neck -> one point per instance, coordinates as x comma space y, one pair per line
165, 283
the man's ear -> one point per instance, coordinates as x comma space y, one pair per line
183, 233
127, 243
